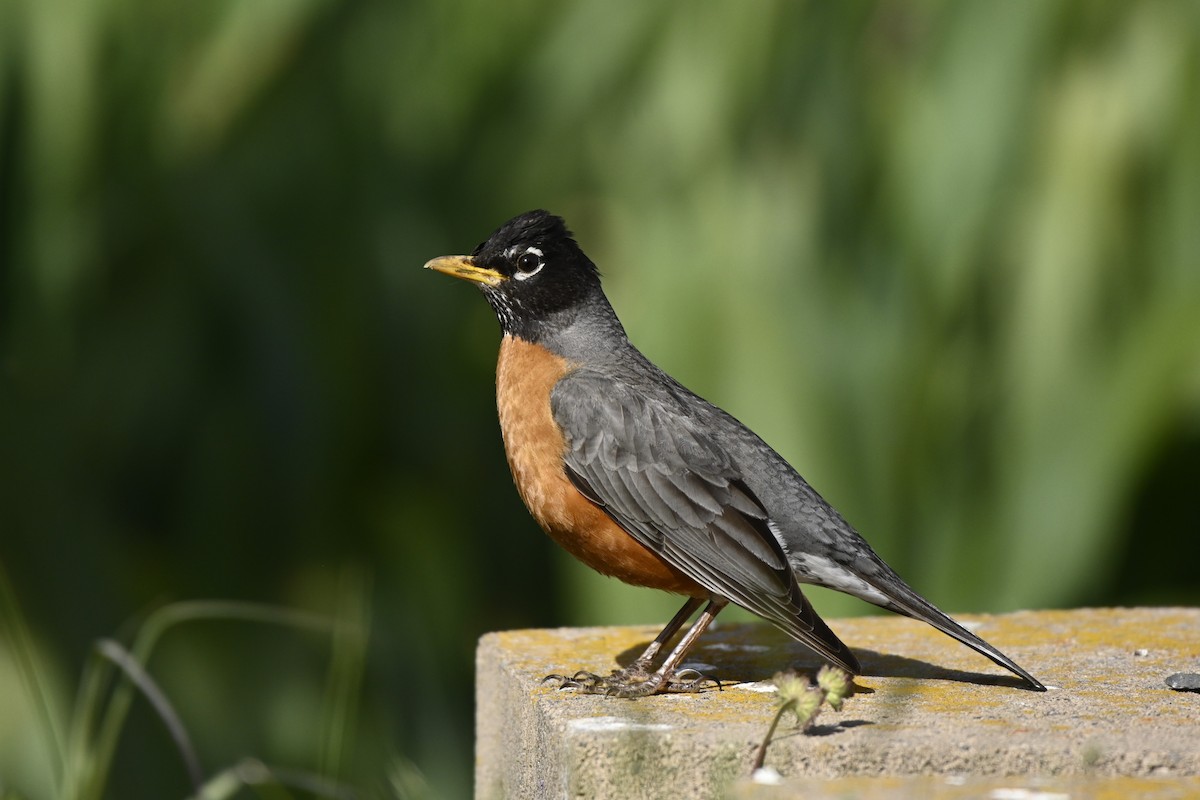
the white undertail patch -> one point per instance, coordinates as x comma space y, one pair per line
821, 571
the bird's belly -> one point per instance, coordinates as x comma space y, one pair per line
534, 444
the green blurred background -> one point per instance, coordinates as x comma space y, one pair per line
944, 256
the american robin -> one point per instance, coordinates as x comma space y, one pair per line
643, 480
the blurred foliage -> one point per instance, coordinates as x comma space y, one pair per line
944, 256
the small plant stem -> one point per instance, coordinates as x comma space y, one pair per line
761, 755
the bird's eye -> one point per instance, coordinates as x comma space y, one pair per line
529, 264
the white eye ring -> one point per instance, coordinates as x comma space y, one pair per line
523, 274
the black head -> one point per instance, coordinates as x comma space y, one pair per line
533, 274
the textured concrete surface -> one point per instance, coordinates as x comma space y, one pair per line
933, 716
967, 787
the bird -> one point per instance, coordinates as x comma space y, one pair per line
643, 480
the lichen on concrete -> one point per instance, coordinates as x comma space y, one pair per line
928, 706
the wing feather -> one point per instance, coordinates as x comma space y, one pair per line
670, 485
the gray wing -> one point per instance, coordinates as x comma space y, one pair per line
670, 485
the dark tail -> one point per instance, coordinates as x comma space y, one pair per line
907, 602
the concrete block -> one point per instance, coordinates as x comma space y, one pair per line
933, 715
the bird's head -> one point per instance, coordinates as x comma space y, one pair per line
532, 272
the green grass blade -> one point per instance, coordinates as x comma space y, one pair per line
347, 662
136, 674
156, 625
12, 623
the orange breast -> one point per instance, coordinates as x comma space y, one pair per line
525, 375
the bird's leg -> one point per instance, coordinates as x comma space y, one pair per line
639, 669
665, 676
641, 666
636, 680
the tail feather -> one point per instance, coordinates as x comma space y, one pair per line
911, 604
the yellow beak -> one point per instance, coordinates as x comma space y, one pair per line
463, 267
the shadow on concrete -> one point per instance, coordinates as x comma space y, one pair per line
881, 665
749, 653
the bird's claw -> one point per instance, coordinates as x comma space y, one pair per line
582, 680
633, 681
692, 680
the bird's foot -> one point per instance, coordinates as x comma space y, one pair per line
637, 672
582, 681
634, 681
692, 680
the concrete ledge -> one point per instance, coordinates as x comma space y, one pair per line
934, 708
